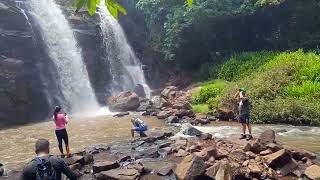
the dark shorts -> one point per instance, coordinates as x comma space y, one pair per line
140, 128
244, 119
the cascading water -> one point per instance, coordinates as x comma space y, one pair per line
125, 67
62, 49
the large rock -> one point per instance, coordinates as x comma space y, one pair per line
159, 102
104, 166
145, 104
139, 90
164, 114
220, 171
313, 172
123, 174
190, 168
278, 159
125, 101
268, 136
169, 92
188, 129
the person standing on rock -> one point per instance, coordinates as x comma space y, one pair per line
61, 120
244, 113
138, 126
46, 166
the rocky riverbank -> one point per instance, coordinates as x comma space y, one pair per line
162, 155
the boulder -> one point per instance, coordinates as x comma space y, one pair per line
139, 90
145, 104
76, 166
125, 101
265, 152
181, 103
268, 136
207, 152
159, 102
254, 170
184, 113
164, 114
190, 168
124, 174
274, 147
121, 114
75, 159
88, 158
166, 170
313, 172
181, 153
104, 166
224, 114
188, 129
137, 166
220, 171
150, 152
169, 92
278, 159
299, 154
172, 119
238, 155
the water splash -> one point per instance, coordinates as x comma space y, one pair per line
63, 50
125, 67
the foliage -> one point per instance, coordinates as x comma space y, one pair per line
113, 6
200, 108
283, 88
191, 35
208, 91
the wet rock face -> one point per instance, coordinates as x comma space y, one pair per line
19, 75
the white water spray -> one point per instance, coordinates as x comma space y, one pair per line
125, 67
63, 50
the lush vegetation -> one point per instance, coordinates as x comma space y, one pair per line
193, 35
283, 87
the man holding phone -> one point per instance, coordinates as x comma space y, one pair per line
244, 113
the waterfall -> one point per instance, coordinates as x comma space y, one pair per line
125, 67
61, 46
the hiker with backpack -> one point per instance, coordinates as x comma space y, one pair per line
45, 166
61, 120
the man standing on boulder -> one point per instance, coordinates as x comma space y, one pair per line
244, 113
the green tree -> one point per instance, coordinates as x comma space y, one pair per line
113, 6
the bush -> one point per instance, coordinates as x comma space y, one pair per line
208, 91
200, 108
283, 88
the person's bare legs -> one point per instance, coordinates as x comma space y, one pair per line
244, 128
249, 128
132, 132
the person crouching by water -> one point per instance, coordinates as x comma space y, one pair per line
46, 166
138, 126
244, 113
61, 120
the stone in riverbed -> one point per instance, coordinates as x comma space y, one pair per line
104, 166
164, 114
190, 168
76, 166
238, 155
121, 114
124, 174
188, 129
172, 119
181, 153
313, 172
219, 171
254, 170
278, 159
75, 159
268, 136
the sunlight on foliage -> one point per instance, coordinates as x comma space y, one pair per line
113, 7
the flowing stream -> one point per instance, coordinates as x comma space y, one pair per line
62, 48
125, 67
17, 145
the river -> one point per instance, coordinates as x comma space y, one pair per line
17, 144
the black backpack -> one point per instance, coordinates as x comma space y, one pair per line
45, 170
